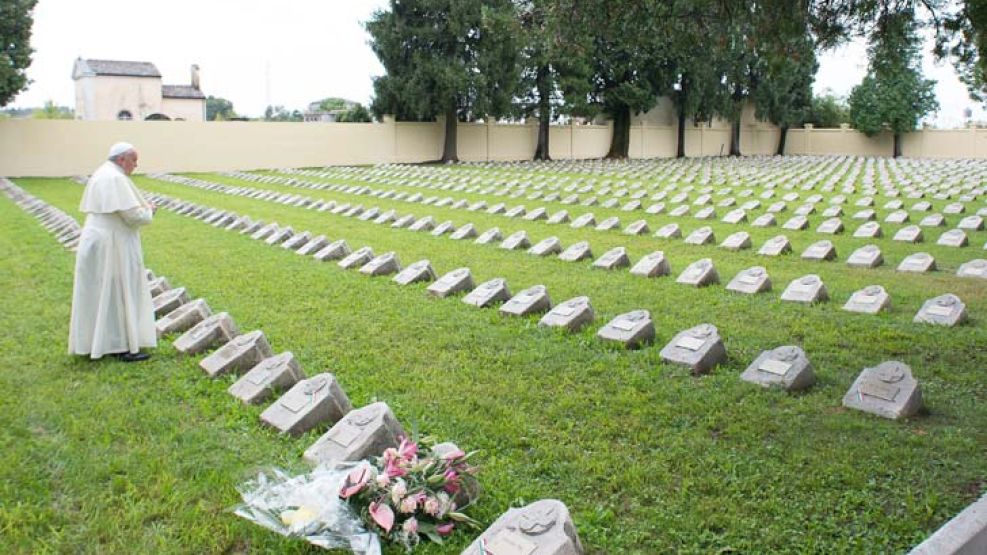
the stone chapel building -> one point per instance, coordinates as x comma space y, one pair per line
112, 89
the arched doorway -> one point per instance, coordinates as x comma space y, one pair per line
125, 115
157, 117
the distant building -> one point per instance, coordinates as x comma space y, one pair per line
112, 89
315, 113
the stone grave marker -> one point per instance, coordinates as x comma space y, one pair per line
702, 236
515, 212
897, 217
279, 236
573, 314
307, 405
456, 281
489, 236
974, 268
638, 227
468, 231
869, 300
488, 293
476, 206
707, 213
541, 528
764, 220
971, 223
865, 215
775, 208
537, 214
158, 286
239, 354
217, 329
751, 281
920, 262
785, 367
533, 300
796, 223
831, 226
547, 246
613, 259
909, 234
361, 433
559, 217
386, 217
656, 208
382, 265
735, 216
169, 300
737, 241
425, 223
932, 220
868, 230
443, 228
954, 208
806, 289
867, 256
576, 252
275, 373
699, 348
699, 274
631, 206
953, 238
297, 241
945, 310
516, 241
403, 221
613, 222
652, 265
805, 210
419, 271
369, 214
356, 258
498, 208
669, 231
632, 329
833, 212
820, 250
679, 211
888, 390
333, 251
183, 317
313, 246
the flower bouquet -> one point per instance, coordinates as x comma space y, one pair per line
400, 497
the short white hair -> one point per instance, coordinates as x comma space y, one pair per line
119, 149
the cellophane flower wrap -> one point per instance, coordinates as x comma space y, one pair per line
405, 496
399, 497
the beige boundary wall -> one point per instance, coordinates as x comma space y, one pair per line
68, 147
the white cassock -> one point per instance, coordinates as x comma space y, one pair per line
111, 301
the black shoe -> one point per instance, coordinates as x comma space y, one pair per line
132, 357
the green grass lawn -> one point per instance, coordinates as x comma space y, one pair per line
109, 457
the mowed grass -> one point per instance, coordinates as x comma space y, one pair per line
111, 457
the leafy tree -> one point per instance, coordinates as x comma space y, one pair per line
454, 58
964, 41
219, 109
15, 46
554, 64
356, 114
828, 110
783, 94
51, 111
893, 94
280, 113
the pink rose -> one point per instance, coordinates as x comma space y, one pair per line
445, 529
355, 482
432, 506
382, 515
410, 503
399, 490
410, 526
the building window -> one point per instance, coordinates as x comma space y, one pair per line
125, 115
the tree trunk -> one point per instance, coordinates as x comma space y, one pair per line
621, 140
735, 137
544, 113
680, 148
781, 140
897, 145
449, 148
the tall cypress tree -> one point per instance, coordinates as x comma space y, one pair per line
451, 58
15, 46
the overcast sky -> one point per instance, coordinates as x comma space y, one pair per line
289, 52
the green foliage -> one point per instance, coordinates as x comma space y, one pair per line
51, 111
219, 109
15, 46
280, 113
893, 95
828, 111
356, 114
964, 42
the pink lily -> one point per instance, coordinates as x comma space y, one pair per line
452, 481
407, 449
355, 482
410, 526
453, 455
445, 529
393, 469
382, 515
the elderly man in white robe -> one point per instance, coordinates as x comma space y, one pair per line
111, 302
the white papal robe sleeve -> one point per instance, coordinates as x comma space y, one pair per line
137, 216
